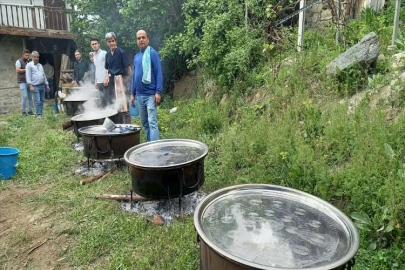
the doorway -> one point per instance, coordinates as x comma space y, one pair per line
54, 17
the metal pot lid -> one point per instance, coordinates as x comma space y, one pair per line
77, 99
273, 227
166, 153
95, 115
100, 130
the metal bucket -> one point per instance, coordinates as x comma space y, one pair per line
167, 168
273, 228
100, 143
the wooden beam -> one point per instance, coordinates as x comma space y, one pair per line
15, 31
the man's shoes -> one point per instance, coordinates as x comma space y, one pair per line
39, 116
24, 114
30, 113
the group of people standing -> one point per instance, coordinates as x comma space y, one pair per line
32, 79
104, 68
146, 82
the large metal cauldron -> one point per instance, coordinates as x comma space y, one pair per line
75, 89
92, 119
272, 227
74, 106
99, 143
167, 168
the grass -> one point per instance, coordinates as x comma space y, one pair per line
326, 152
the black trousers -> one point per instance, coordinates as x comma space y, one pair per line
107, 93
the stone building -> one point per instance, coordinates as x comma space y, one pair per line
39, 25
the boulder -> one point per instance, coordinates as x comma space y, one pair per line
364, 53
398, 61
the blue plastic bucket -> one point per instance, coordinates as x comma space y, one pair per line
134, 111
8, 162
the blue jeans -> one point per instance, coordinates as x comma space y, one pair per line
26, 94
148, 114
39, 96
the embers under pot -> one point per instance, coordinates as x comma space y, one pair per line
99, 143
167, 168
272, 227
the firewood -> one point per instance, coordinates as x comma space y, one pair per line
158, 220
123, 198
92, 178
37, 246
67, 125
104, 176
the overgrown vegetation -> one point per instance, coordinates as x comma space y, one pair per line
279, 122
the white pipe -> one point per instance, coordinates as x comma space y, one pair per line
301, 26
396, 21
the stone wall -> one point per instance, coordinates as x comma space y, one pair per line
10, 94
320, 16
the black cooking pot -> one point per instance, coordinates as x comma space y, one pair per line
271, 227
74, 106
93, 119
167, 168
99, 143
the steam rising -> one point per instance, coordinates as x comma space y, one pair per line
93, 108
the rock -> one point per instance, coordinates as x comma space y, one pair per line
326, 14
256, 98
224, 99
287, 62
364, 53
381, 58
398, 60
158, 220
317, 8
355, 100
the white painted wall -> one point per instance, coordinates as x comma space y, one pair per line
376, 5
23, 2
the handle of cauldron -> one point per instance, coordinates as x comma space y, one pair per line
350, 264
198, 177
98, 150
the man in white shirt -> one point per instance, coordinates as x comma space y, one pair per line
99, 63
37, 82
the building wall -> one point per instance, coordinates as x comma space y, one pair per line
10, 94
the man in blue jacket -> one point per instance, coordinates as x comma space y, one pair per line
147, 84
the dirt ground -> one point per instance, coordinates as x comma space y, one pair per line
24, 227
